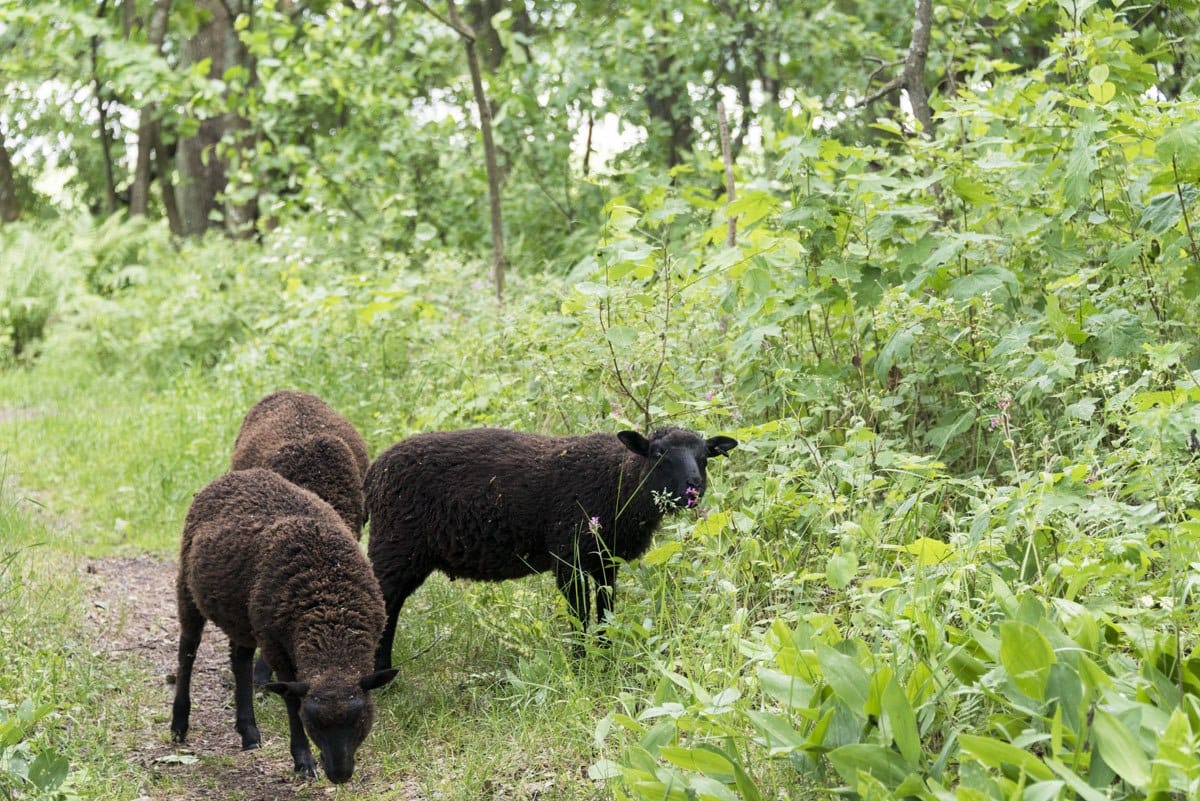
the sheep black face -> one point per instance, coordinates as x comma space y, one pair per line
679, 461
337, 717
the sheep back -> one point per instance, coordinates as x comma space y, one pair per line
305, 440
495, 504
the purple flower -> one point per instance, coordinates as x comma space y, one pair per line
708, 395
594, 525
693, 496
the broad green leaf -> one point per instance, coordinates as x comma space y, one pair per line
847, 678
712, 524
994, 281
898, 717
997, 753
929, 551
662, 553
882, 763
840, 569
1120, 749
777, 732
622, 336
896, 351
708, 760
1027, 656
48, 770
787, 690
1179, 149
1164, 211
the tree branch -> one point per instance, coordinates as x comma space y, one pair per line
453, 22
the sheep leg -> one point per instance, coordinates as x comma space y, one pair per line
241, 659
395, 602
191, 628
262, 671
302, 756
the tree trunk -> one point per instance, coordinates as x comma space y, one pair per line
10, 204
164, 164
148, 126
914, 66
203, 167
663, 100
110, 184
489, 154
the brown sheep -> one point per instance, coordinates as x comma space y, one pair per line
273, 566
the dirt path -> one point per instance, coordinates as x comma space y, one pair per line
132, 610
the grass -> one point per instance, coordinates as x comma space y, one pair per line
50, 662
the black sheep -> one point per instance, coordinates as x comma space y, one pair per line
273, 566
303, 439
495, 504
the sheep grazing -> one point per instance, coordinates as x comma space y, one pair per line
273, 566
303, 439
495, 504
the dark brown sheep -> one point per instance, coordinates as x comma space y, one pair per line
303, 439
273, 566
495, 504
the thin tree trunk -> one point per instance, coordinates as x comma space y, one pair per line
914, 65
110, 185
164, 163
489, 149
10, 204
727, 155
148, 126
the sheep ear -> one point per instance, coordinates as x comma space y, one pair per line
373, 681
720, 446
288, 689
635, 442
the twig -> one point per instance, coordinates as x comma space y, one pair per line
1187, 223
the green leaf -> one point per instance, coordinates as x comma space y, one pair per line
622, 336
899, 719
48, 770
706, 759
997, 753
895, 351
1179, 149
778, 733
847, 678
928, 551
882, 763
840, 569
1164, 210
784, 688
1120, 749
662, 553
1027, 656
993, 281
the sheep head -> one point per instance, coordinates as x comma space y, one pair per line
676, 461
337, 716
